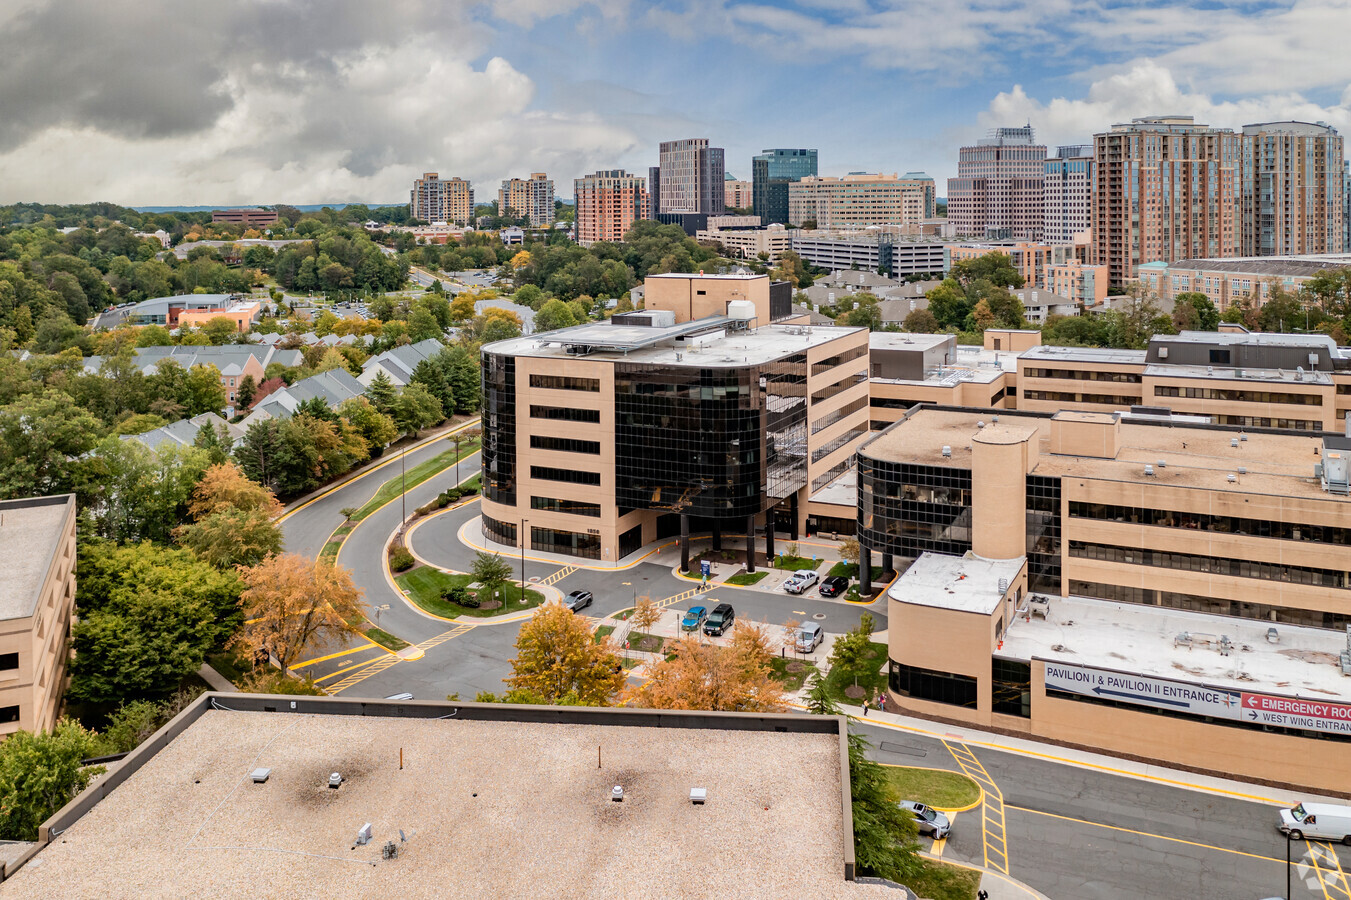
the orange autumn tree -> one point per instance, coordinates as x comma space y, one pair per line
293, 604
559, 660
734, 678
232, 519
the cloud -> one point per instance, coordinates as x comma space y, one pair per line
302, 101
1147, 89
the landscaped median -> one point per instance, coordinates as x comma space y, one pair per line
432, 590
942, 789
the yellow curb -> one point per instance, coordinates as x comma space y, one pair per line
319, 659
1012, 882
554, 562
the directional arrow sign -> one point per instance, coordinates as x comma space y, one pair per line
1144, 698
1144, 690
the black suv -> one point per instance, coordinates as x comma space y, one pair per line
577, 600
833, 586
720, 620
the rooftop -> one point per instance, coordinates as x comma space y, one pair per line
1235, 373
842, 491
1195, 456
30, 530
1140, 639
1292, 266
715, 348
1048, 352
500, 803
967, 583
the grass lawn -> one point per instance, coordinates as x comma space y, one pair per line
792, 681
385, 639
623, 614
840, 683
746, 578
850, 570
424, 586
603, 631
943, 882
416, 475
795, 563
331, 549
639, 640
944, 790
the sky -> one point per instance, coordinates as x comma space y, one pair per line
151, 102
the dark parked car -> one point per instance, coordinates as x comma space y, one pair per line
720, 620
577, 600
833, 586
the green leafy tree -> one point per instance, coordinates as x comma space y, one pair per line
376, 428
884, 836
203, 391
42, 437
148, 615
996, 268
381, 392
40, 773
921, 321
553, 315
852, 653
949, 304
415, 408
1194, 311
491, 571
422, 325
136, 493
248, 389
1282, 310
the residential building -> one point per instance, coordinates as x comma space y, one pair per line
607, 204
528, 198
1136, 583
333, 387
183, 433
435, 200
1076, 281
1230, 281
859, 199
233, 361
603, 437
294, 828
37, 601
1000, 186
251, 217
726, 221
690, 178
1032, 259
1039, 304
873, 251
241, 315
736, 194
1069, 193
1293, 192
749, 243
771, 173
399, 363
1164, 188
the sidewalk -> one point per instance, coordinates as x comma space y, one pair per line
1084, 759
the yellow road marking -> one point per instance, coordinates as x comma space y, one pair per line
380, 665
941, 844
1335, 879
558, 576
365, 662
994, 832
319, 659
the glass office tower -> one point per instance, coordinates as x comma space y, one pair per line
771, 173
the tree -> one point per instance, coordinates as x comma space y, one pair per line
219, 330
884, 835
376, 428
852, 654
819, 701
233, 520
491, 571
215, 440
148, 616
557, 657
849, 550
1282, 310
293, 604
422, 325
415, 409
735, 678
949, 304
42, 437
204, 391
645, 614
553, 315
136, 493
381, 392
40, 773
1194, 311
994, 267
921, 321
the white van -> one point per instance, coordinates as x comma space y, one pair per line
1321, 821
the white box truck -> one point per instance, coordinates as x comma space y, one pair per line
1320, 821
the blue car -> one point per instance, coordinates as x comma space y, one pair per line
693, 619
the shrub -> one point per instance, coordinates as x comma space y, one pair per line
400, 559
460, 597
468, 491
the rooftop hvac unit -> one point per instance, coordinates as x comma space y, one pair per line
617, 794
1231, 478
1149, 470
980, 424
698, 796
743, 310
1243, 470
1161, 464
947, 452
1163, 353
260, 776
364, 835
1233, 442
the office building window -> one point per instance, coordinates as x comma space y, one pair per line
568, 476
928, 684
565, 383
568, 507
565, 414
1011, 687
499, 532
9, 714
9, 662
499, 428
569, 543
567, 445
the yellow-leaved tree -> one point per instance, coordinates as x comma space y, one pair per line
232, 519
734, 678
293, 604
559, 660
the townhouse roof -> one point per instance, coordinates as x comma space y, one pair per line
404, 360
184, 432
333, 387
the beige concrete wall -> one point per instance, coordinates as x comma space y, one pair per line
1324, 412
694, 297
1095, 435
1016, 340
999, 464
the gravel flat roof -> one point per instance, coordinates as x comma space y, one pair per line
488, 809
29, 531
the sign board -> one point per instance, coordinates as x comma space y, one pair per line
1188, 698
705, 568
1141, 690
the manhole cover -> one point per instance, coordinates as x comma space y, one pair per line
533, 579
819, 616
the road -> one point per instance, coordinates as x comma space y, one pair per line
1070, 832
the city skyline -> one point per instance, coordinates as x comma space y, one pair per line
277, 105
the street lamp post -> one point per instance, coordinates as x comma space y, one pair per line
1287, 867
403, 489
521, 541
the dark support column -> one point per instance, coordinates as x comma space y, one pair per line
750, 544
792, 531
865, 571
684, 543
717, 535
769, 538
886, 565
